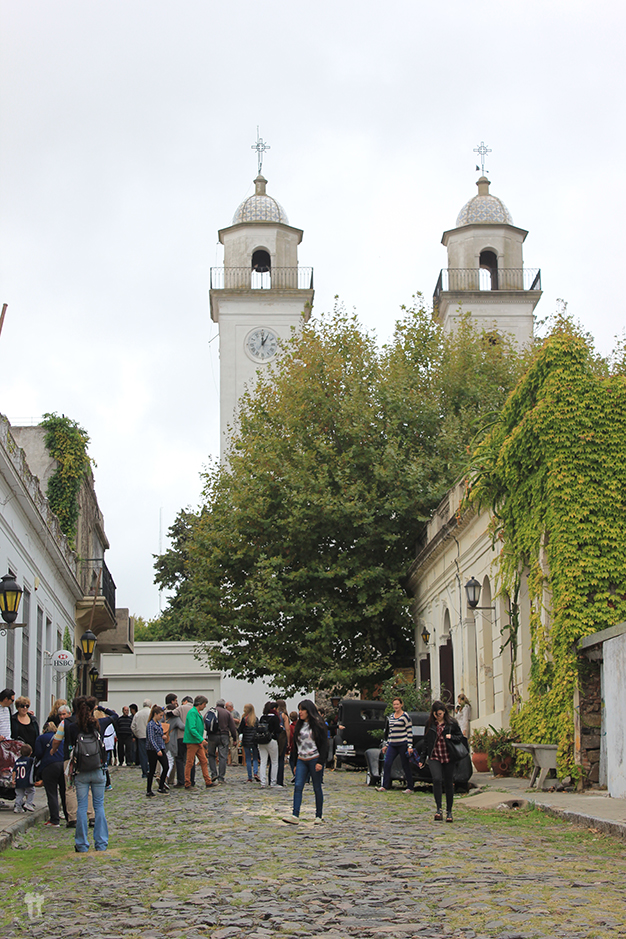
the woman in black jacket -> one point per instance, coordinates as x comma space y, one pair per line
441, 731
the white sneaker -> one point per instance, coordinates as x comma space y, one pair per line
29, 808
276, 786
318, 821
291, 819
17, 809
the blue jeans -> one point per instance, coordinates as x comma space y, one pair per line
96, 781
252, 761
304, 769
391, 753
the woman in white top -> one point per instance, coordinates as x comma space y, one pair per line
310, 737
463, 714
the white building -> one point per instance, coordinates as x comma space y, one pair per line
485, 276
33, 549
157, 668
258, 297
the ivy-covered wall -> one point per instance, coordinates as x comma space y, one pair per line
67, 443
553, 472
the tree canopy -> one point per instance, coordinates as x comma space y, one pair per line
293, 568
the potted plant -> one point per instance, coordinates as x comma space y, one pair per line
478, 742
500, 750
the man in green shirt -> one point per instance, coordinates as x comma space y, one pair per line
194, 739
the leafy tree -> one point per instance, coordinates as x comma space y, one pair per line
293, 569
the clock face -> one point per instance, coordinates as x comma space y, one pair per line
262, 344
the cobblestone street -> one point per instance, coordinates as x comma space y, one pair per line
220, 863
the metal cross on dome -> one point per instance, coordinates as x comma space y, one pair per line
482, 151
260, 146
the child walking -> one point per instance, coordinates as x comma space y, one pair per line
24, 780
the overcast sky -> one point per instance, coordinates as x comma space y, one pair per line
126, 133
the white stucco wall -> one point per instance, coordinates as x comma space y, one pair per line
158, 668
33, 548
614, 654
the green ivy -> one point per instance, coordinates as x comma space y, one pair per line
66, 441
553, 473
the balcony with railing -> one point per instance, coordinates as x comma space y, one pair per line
278, 278
97, 607
459, 280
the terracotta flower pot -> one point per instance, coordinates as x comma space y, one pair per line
502, 766
481, 762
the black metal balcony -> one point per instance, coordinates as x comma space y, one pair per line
457, 279
89, 581
278, 278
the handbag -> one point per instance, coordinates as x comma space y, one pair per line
457, 751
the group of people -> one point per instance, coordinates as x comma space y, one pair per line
72, 754
442, 747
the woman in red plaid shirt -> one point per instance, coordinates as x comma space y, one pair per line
441, 729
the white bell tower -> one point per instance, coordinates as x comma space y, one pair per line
485, 276
257, 297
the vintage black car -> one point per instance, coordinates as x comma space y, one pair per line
356, 721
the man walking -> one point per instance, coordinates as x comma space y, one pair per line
138, 727
194, 741
7, 697
123, 726
233, 751
220, 740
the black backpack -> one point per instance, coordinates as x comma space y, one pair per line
262, 734
89, 752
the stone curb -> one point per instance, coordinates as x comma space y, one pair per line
8, 835
617, 829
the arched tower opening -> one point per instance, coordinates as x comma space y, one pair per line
488, 264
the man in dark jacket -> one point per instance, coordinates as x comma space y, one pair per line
124, 736
227, 730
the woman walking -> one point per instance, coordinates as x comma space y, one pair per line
247, 729
155, 751
86, 779
270, 725
463, 714
442, 731
24, 725
283, 739
398, 742
311, 739
51, 769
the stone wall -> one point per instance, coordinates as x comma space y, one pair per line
590, 709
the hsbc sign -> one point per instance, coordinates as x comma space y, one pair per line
62, 660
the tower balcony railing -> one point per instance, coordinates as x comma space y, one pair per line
103, 586
243, 278
475, 278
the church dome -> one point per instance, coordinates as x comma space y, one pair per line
260, 207
484, 209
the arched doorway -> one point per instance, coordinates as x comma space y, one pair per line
446, 663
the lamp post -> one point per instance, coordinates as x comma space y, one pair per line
87, 644
425, 636
472, 589
10, 596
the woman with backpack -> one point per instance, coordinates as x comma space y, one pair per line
267, 741
88, 756
311, 739
247, 729
155, 751
441, 736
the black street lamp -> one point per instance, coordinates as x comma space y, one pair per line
94, 674
10, 596
87, 643
472, 589
425, 636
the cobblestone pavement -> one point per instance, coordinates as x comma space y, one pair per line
220, 863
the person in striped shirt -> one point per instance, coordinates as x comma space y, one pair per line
398, 742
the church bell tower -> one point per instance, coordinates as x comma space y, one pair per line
486, 276
257, 297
